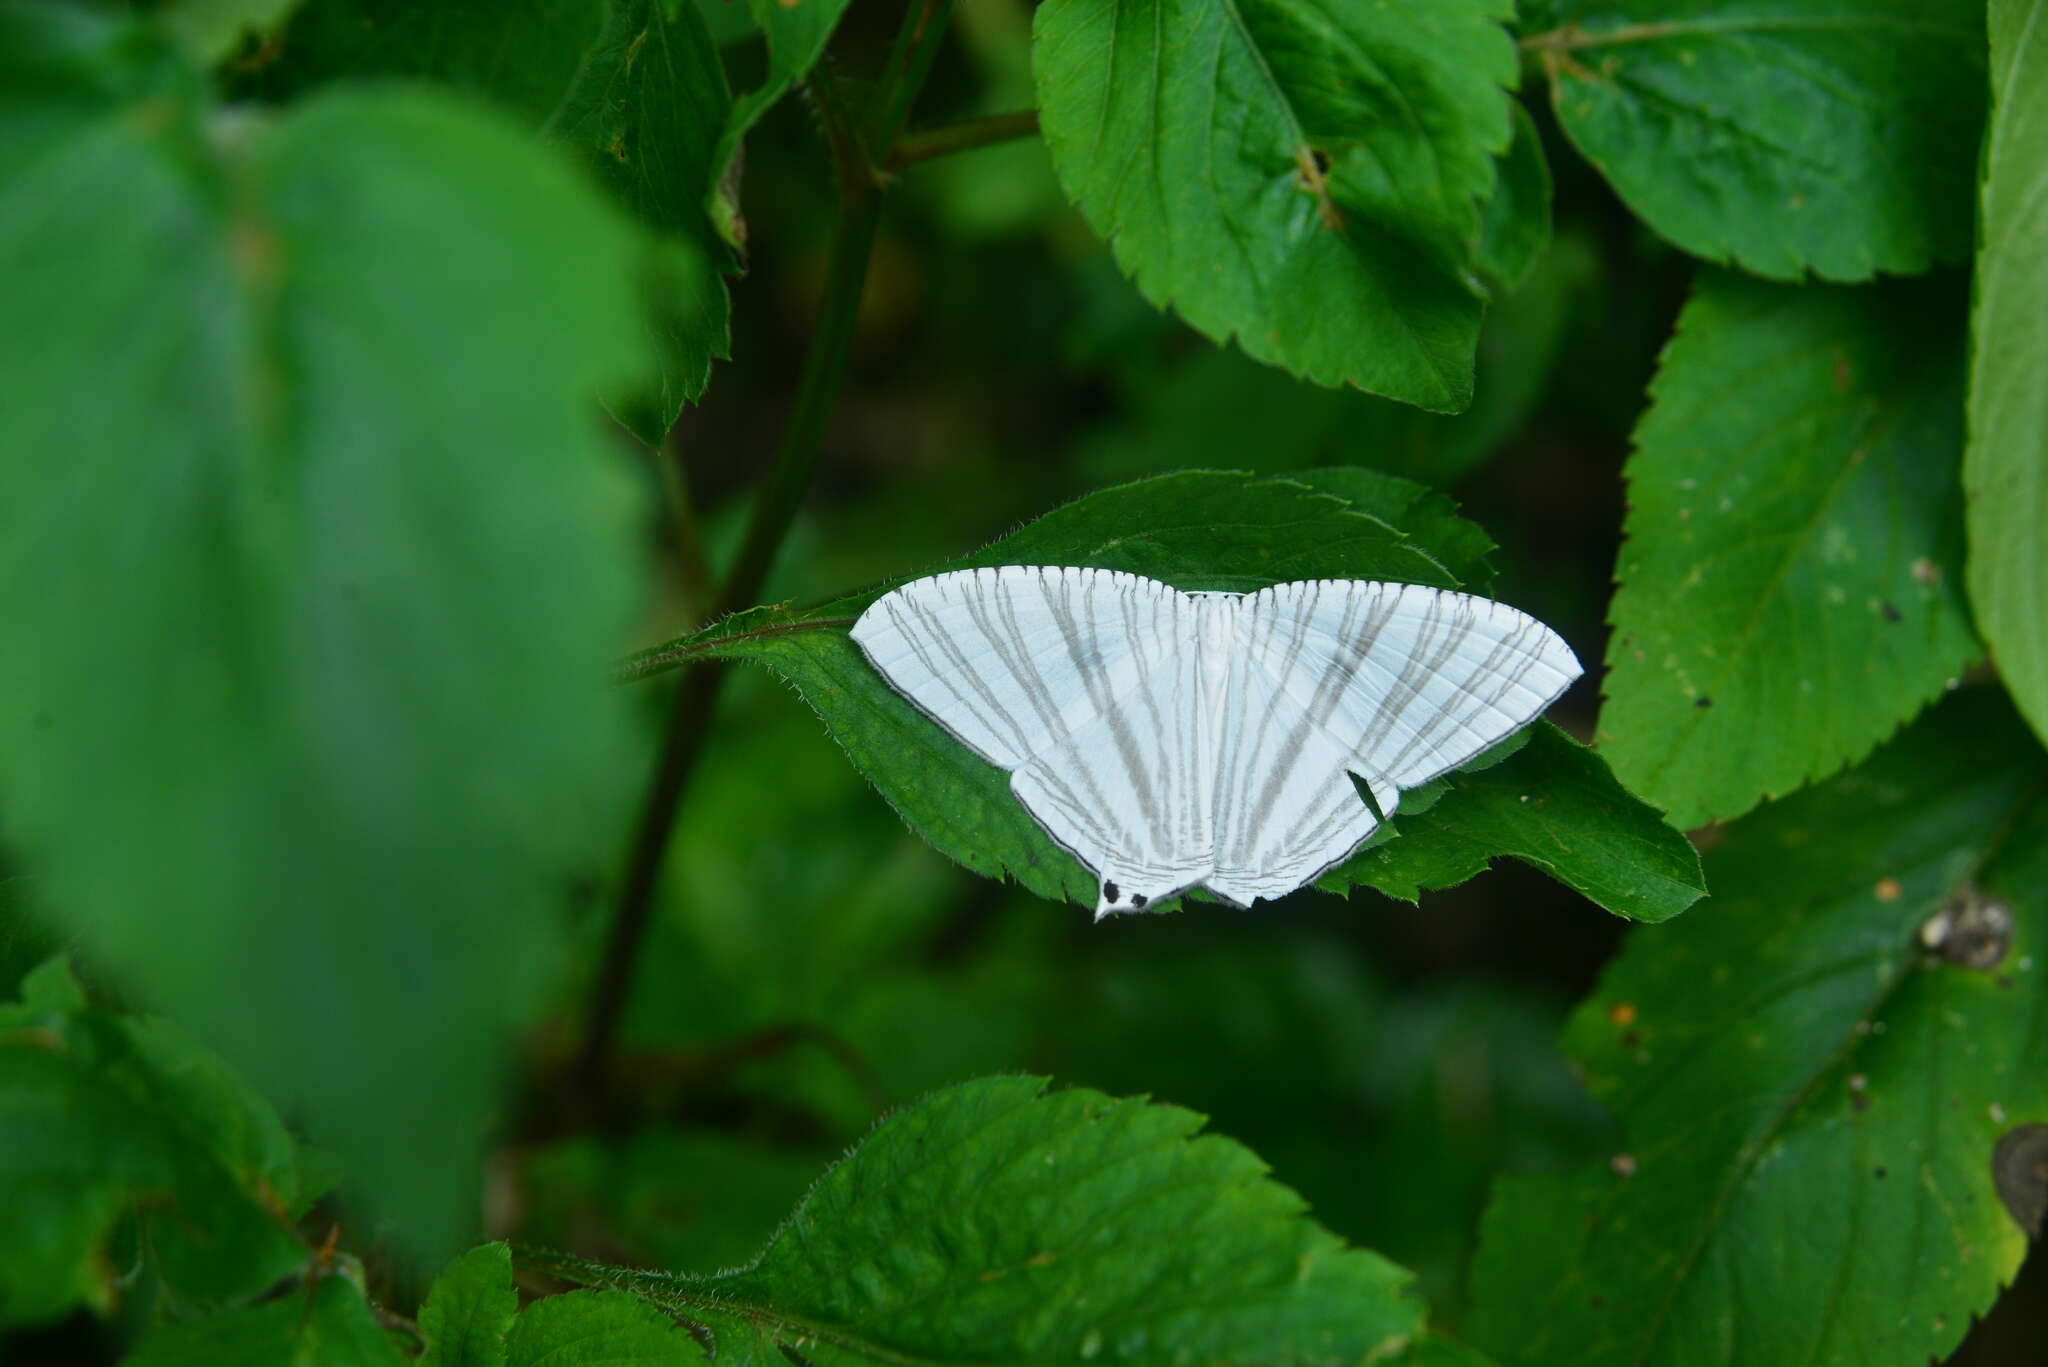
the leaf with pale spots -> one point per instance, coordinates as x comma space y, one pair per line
994, 1223
1791, 586
1811, 1080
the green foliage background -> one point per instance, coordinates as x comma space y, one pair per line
464, 900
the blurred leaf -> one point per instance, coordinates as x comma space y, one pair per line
835, 890
327, 1325
729, 21
1463, 1082
1219, 408
685, 1200
1005, 190
1554, 805
108, 1120
1784, 136
469, 1310
1789, 590
994, 1223
2006, 468
1305, 180
1264, 1033
597, 1329
25, 939
1439, 1350
1200, 530
1810, 1081
323, 782
633, 88
213, 29
1515, 224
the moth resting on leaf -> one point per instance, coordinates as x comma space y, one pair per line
1171, 740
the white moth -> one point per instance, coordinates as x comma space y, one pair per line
1169, 739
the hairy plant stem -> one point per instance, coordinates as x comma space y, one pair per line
775, 507
963, 136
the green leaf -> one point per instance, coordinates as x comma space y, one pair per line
1783, 136
645, 107
632, 88
1515, 227
108, 1120
1790, 589
1554, 805
296, 735
214, 29
1304, 179
2005, 472
469, 1310
327, 1325
1811, 1079
994, 1223
598, 1329
1203, 530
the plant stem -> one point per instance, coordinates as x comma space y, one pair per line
775, 509
910, 60
660, 661
948, 138
694, 575
689, 718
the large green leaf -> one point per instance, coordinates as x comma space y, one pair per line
633, 88
311, 537
109, 1119
2006, 469
1791, 587
325, 1325
993, 1223
1783, 136
1811, 1080
1219, 531
1306, 179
